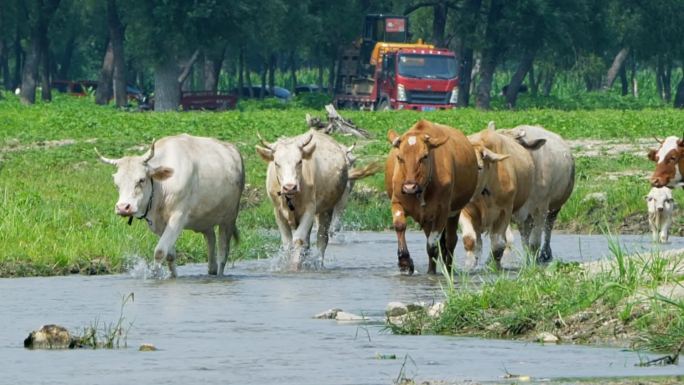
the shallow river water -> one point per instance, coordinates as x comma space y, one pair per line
255, 326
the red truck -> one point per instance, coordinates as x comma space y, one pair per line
394, 74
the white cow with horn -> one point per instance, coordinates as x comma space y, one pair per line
183, 182
307, 177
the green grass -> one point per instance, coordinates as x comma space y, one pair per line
57, 201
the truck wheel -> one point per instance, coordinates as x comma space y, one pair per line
384, 105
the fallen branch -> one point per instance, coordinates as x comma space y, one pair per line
336, 123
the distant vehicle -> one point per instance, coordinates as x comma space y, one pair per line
82, 87
199, 100
307, 88
279, 93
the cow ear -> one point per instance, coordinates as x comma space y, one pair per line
533, 145
393, 138
162, 173
492, 156
308, 150
435, 141
265, 153
652, 155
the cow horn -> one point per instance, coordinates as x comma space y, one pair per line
350, 148
658, 140
305, 141
491, 125
263, 142
113, 162
154, 141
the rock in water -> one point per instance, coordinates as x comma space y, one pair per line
147, 348
50, 337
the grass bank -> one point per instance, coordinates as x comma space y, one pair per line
629, 301
57, 200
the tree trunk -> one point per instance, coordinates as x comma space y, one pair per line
166, 86
264, 75
635, 82
623, 81
320, 73
518, 77
439, 19
489, 55
659, 77
667, 80
65, 65
612, 73
271, 71
331, 77
104, 85
532, 79
293, 69
679, 95
38, 42
116, 36
18, 56
45, 59
548, 83
464, 76
212, 68
4, 65
186, 69
29, 74
241, 68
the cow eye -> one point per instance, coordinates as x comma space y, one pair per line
299, 163
276, 164
400, 159
141, 181
422, 158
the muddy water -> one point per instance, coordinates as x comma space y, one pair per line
255, 326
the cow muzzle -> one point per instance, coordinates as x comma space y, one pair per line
289, 189
659, 181
124, 209
411, 188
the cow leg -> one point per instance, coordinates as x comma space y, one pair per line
399, 221
210, 237
472, 241
433, 234
545, 255
497, 238
301, 236
665, 230
536, 235
226, 231
284, 227
449, 240
167, 241
324, 220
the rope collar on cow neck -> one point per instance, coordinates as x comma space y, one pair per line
147, 209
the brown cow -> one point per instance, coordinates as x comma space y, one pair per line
669, 158
430, 175
506, 177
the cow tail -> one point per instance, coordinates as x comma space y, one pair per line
363, 172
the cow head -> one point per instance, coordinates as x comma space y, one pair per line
287, 156
668, 158
413, 158
133, 179
485, 159
659, 199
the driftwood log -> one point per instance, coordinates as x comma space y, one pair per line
336, 123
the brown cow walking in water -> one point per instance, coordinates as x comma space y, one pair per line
430, 175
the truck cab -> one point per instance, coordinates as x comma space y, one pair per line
418, 79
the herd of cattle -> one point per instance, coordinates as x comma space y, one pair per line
433, 174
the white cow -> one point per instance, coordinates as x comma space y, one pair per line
660, 208
554, 180
183, 182
306, 179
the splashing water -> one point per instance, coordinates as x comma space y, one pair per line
139, 267
310, 260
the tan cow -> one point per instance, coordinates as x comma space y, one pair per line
307, 177
504, 185
669, 158
430, 175
554, 180
183, 182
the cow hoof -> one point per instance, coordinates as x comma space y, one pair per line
406, 265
